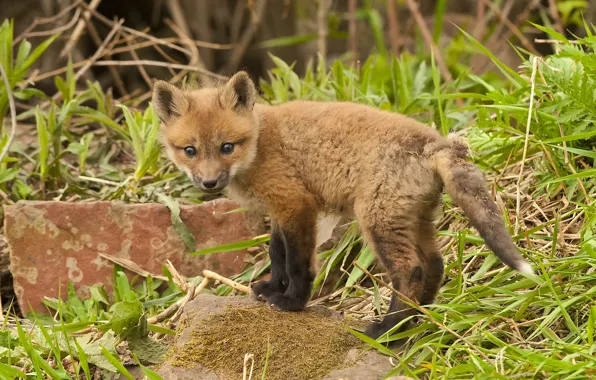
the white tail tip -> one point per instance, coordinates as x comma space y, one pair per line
525, 268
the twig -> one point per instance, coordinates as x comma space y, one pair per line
527, 138
159, 64
99, 180
97, 41
141, 68
177, 277
201, 26
554, 13
177, 14
144, 44
393, 27
247, 36
496, 33
57, 30
429, 39
47, 20
62, 70
480, 22
99, 51
236, 22
511, 26
195, 60
13, 114
547, 41
248, 357
5, 197
180, 27
137, 33
352, 38
190, 295
174, 307
76, 34
224, 280
131, 266
322, 10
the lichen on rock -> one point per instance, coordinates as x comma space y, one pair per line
217, 332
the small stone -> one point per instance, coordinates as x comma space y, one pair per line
52, 243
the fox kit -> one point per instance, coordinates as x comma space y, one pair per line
302, 159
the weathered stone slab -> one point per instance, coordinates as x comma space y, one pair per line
57, 242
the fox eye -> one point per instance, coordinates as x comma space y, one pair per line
227, 148
190, 151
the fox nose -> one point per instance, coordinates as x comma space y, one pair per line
210, 183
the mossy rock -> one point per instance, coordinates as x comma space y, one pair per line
216, 333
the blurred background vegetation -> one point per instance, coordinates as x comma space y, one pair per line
515, 77
237, 34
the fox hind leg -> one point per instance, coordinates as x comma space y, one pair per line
393, 236
429, 250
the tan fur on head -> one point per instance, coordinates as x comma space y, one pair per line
169, 101
239, 92
205, 119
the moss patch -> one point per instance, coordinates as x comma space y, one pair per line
304, 345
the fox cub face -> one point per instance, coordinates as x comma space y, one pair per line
211, 133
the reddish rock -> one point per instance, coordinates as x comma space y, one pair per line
52, 243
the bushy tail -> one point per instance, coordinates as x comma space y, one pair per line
466, 185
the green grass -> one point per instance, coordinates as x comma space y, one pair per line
488, 321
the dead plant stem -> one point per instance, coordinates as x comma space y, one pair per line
526, 140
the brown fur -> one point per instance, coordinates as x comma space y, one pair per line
300, 159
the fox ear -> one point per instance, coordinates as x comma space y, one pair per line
169, 101
239, 92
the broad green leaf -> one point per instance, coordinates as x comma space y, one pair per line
127, 319
233, 246
24, 50
37, 52
148, 350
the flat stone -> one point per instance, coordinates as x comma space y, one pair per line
360, 365
52, 243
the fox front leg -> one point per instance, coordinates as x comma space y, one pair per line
298, 229
278, 283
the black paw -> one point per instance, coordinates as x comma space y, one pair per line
262, 290
283, 302
376, 329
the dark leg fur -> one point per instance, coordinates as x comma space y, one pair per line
396, 250
413, 262
434, 280
279, 277
297, 293
299, 242
434, 260
393, 232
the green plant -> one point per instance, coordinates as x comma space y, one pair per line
487, 321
